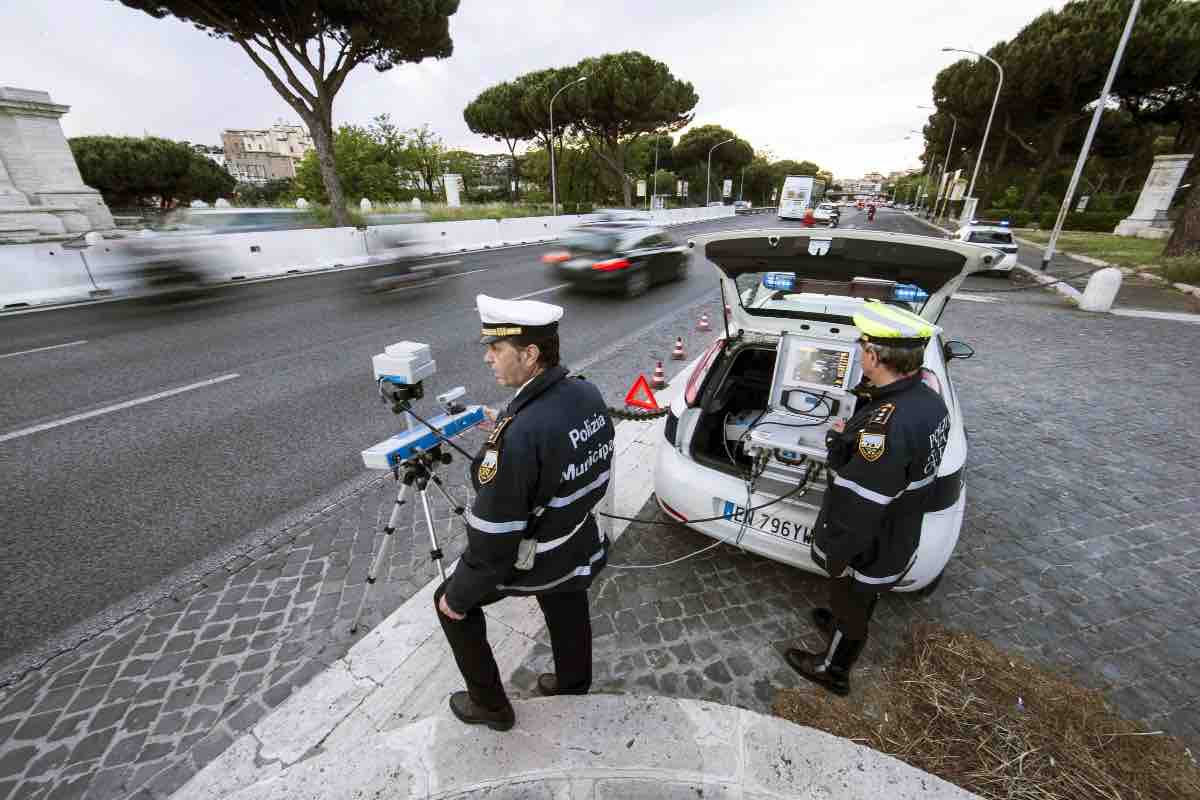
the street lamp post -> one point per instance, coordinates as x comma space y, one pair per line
992, 113
708, 175
553, 175
654, 191
945, 167
1087, 142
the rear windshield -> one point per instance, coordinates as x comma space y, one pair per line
762, 293
590, 241
990, 237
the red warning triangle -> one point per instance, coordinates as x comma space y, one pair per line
641, 396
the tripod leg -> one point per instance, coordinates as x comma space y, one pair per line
381, 554
435, 552
455, 506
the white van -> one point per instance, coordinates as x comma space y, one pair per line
800, 193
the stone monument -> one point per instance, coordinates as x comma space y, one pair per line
42, 194
1149, 217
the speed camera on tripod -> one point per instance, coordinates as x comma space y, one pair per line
400, 371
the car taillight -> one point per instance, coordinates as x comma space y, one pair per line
556, 258
697, 377
609, 266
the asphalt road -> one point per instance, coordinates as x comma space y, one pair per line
276, 402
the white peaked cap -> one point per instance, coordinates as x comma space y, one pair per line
503, 318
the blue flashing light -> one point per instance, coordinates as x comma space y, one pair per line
909, 293
1004, 222
779, 281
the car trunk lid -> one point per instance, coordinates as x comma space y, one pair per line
936, 266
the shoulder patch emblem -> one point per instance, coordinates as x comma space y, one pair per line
871, 445
881, 415
489, 466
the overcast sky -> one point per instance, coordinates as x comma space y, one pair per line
833, 82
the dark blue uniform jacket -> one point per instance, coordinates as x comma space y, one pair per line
543, 470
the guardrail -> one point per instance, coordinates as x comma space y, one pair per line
741, 212
39, 274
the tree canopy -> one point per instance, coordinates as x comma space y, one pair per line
1054, 69
129, 170
307, 49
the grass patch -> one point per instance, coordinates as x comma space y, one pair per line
440, 212
959, 708
1124, 251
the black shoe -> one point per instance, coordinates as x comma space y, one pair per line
472, 713
547, 685
823, 619
812, 667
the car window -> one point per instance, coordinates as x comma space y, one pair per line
590, 241
990, 237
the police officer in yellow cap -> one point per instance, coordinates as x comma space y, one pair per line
882, 467
530, 529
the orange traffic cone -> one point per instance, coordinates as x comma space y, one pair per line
702, 324
659, 381
677, 354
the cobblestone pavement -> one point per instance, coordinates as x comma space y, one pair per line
140, 708
1079, 550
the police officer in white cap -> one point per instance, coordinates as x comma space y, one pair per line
882, 481
530, 530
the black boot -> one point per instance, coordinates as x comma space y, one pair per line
472, 713
823, 619
547, 685
830, 669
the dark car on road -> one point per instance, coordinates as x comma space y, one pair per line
625, 257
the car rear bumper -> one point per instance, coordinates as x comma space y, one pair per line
595, 279
686, 488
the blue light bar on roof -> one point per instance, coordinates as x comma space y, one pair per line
909, 293
779, 281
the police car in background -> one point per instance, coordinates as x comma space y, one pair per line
791, 295
995, 235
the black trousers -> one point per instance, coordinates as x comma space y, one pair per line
852, 608
570, 624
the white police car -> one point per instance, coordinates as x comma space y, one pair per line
794, 292
996, 235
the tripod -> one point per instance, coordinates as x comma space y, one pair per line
419, 471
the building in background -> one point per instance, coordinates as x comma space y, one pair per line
213, 154
260, 155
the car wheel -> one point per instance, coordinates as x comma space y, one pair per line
681, 269
637, 284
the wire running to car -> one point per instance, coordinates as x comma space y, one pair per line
1032, 286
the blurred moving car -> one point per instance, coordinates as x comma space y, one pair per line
827, 213
740, 205
993, 234
627, 257
398, 254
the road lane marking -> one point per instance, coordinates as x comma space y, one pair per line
539, 291
469, 272
43, 349
975, 298
45, 426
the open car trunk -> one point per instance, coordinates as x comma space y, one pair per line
937, 267
734, 400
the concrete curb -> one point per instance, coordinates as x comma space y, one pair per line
605, 746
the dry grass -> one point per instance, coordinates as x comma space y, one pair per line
955, 706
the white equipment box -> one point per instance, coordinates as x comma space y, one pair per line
809, 392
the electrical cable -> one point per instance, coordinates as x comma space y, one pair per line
408, 408
654, 521
1032, 286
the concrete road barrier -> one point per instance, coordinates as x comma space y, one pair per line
31, 274
39, 274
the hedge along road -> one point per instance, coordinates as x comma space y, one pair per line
163, 434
